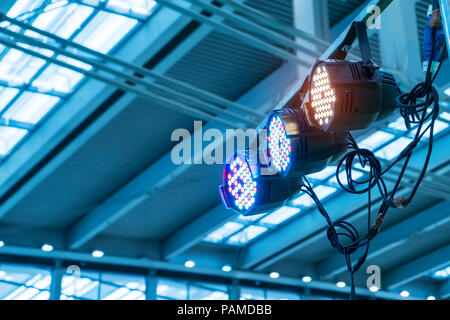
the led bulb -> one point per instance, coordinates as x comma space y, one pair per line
240, 184
279, 144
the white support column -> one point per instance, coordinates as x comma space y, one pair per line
55, 285
151, 286
234, 291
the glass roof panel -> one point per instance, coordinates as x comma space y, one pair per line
30, 87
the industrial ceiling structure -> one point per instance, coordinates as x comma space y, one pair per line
87, 181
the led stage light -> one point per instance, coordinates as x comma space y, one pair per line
248, 192
296, 148
347, 96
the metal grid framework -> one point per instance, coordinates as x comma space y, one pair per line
31, 88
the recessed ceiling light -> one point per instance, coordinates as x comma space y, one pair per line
306, 279
2, 244
447, 91
431, 298
47, 247
274, 275
189, 264
226, 268
97, 254
340, 284
374, 288
404, 294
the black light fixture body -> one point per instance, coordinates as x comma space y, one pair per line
345, 95
312, 148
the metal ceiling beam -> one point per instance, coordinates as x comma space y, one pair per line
15, 180
236, 33
147, 264
392, 237
289, 238
417, 268
32, 237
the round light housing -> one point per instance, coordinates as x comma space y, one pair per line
295, 148
279, 145
248, 192
345, 96
239, 184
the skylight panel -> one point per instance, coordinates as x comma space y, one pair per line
27, 294
246, 235
226, 230
30, 107
105, 31
62, 19
392, 150
216, 295
398, 124
43, 295
133, 295
438, 127
253, 217
445, 116
343, 177
117, 294
322, 175
321, 191
443, 273
280, 215
140, 8
6, 95
18, 67
86, 22
172, 289
22, 6
9, 138
376, 140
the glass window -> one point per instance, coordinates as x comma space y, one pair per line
207, 291
250, 293
281, 295
19, 282
171, 290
